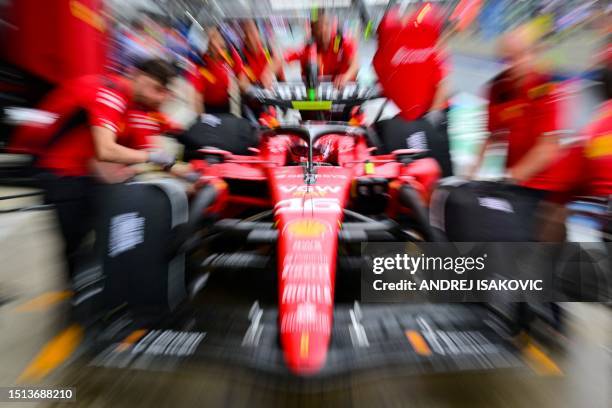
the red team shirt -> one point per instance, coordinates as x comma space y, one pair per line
527, 113
597, 155
332, 62
212, 79
409, 64
66, 147
141, 127
255, 63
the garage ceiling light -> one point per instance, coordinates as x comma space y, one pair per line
307, 4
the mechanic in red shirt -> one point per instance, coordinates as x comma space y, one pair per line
596, 169
91, 120
336, 53
524, 110
410, 61
261, 64
144, 126
411, 68
221, 74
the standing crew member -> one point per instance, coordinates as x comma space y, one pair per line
221, 69
261, 64
91, 116
524, 110
336, 53
412, 70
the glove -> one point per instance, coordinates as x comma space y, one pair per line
508, 179
251, 90
435, 117
162, 158
192, 176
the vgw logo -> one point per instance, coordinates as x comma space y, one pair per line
315, 191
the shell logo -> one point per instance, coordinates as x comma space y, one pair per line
599, 146
307, 228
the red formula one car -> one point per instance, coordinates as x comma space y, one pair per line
313, 191
262, 267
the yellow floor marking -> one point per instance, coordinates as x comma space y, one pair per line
418, 342
540, 362
54, 353
44, 301
131, 339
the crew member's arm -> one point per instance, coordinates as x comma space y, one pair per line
243, 81
349, 75
106, 114
350, 59
196, 90
197, 101
144, 134
107, 148
440, 101
111, 173
272, 71
473, 170
493, 126
149, 131
275, 67
239, 71
293, 56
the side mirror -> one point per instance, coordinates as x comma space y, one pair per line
213, 155
407, 156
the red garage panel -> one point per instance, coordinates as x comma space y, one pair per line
57, 39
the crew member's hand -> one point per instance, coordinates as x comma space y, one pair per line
182, 170
192, 177
112, 173
341, 80
435, 117
267, 79
509, 177
165, 160
472, 172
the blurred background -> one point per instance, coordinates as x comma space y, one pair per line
46, 42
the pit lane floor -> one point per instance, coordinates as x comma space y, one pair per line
34, 310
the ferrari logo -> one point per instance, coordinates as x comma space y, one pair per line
304, 345
307, 228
